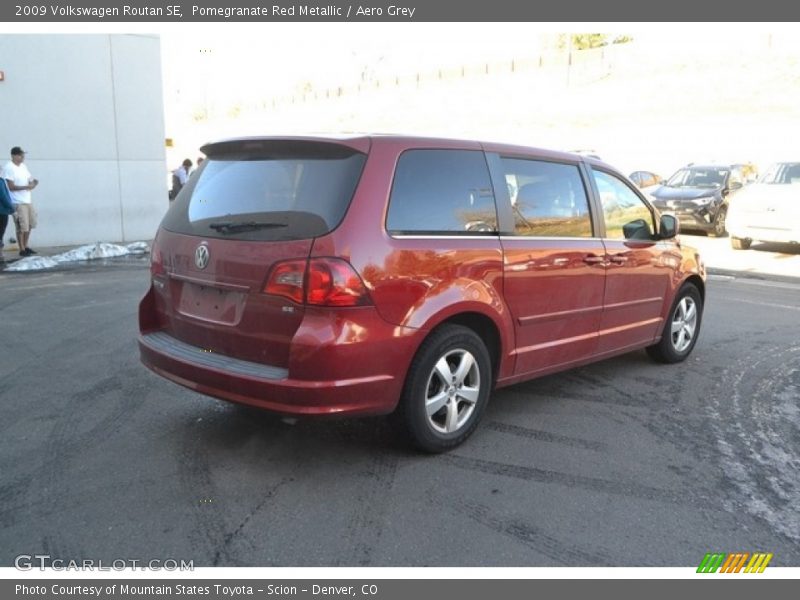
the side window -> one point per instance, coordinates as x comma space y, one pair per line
626, 215
442, 191
547, 199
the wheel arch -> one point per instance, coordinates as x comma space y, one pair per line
699, 284
423, 425
484, 326
487, 330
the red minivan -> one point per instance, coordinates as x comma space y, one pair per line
376, 274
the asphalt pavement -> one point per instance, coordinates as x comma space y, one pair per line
622, 463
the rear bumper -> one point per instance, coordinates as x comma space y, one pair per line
765, 234
266, 387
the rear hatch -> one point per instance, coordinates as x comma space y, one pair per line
770, 206
253, 204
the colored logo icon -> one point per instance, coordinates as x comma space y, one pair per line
735, 562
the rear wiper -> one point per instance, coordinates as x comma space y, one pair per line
237, 226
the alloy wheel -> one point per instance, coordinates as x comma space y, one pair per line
719, 223
452, 391
684, 324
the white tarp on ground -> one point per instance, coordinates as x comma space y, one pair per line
88, 252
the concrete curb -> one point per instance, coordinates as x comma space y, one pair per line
753, 275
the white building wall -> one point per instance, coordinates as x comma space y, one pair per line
88, 110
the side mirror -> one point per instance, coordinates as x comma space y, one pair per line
668, 227
736, 185
636, 230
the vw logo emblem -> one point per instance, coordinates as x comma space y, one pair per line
201, 256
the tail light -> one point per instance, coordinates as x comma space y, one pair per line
333, 282
287, 279
318, 282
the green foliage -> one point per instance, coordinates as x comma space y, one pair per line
586, 41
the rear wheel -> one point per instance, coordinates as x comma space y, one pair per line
682, 327
447, 389
740, 243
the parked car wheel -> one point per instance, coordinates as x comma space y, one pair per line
740, 243
682, 327
719, 222
447, 389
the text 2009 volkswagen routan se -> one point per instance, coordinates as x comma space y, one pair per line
372, 274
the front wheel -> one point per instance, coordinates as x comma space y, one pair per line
682, 327
719, 223
447, 389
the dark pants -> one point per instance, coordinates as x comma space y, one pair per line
3, 224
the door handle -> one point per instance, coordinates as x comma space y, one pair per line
618, 259
594, 260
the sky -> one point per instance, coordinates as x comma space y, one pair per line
678, 93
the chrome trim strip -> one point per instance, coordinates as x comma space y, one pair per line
621, 328
564, 314
492, 238
528, 238
204, 282
586, 336
560, 342
633, 303
166, 344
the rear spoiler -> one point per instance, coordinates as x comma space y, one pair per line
286, 148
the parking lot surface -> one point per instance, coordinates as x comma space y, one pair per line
623, 463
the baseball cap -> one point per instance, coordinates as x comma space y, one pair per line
17, 150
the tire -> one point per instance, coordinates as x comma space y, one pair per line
740, 243
719, 229
446, 390
682, 327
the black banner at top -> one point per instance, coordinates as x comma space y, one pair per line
197, 11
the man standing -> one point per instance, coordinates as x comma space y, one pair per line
20, 183
179, 177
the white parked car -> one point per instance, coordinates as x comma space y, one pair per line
769, 210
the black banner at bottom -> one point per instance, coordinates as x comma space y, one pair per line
389, 589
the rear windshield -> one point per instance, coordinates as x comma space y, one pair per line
699, 177
282, 191
782, 173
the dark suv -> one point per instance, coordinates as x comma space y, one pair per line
698, 195
369, 275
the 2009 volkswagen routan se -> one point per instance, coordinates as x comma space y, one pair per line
366, 275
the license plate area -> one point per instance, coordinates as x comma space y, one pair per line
210, 303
